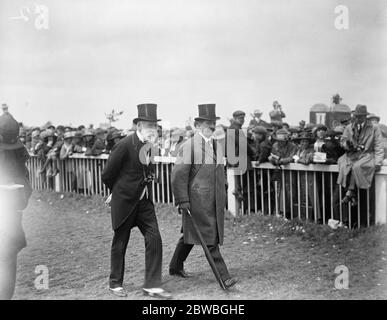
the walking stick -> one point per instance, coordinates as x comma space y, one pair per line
207, 252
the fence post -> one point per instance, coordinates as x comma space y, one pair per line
381, 196
233, 204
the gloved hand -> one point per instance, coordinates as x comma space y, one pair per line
184, 207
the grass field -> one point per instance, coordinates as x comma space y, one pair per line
273, 258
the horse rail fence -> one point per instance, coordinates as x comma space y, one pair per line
294, 191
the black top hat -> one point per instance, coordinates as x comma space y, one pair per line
146, 112
207, 112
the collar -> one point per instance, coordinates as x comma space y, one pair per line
140, 136
205, 139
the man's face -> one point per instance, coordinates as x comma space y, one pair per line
258, 136
240, 120
258, 115
374, 121
207, 127
148, 130
360, 119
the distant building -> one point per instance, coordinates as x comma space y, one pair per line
320, 113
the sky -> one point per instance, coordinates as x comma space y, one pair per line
99, 55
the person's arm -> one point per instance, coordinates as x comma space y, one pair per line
63, 154
378, 147
265, 149
180, 173
118, 156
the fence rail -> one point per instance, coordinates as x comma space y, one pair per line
294, 191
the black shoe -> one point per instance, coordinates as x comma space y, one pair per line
179, 273
230, 282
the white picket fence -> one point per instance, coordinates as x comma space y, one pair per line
293, 191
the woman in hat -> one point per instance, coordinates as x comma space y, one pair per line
282, 153
320, 131
304, 155
15, 191
65, 152
88, 140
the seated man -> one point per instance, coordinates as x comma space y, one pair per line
362, 142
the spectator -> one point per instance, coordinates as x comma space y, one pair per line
277, 114
331, 146
282, 153
67, 147
257, 121
262, 145
363, 155
99, 146
88, 140
112, 139
320, 135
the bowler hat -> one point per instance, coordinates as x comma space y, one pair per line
146, 112
207, 112
360, 110
9, 133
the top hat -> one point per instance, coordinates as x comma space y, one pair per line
9, 133
207, 112
146, 112
360, 110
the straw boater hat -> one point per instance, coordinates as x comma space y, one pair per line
9, 133
69, 135
373, 116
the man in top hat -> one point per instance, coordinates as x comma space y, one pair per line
15, 191
198, 184
362, 142
128, 174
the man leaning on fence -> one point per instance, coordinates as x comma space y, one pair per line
364, 154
